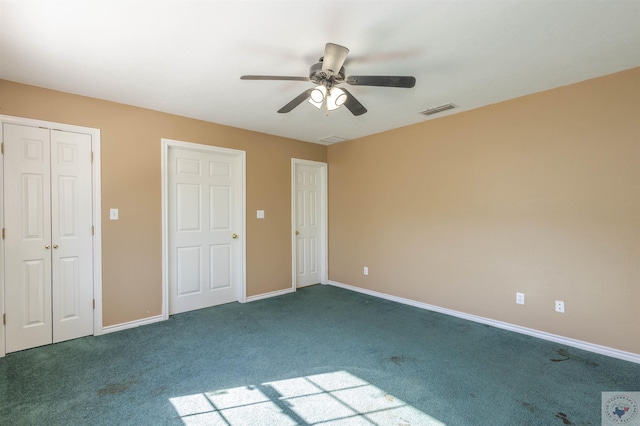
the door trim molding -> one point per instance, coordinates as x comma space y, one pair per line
167, 144
324, 213
96, 215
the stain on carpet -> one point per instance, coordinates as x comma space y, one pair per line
398, 359
116, 388
531, 407
567, 356
564, 418
158, 391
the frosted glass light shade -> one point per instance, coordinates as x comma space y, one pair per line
336, 98
317, 96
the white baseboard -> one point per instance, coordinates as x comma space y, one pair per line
270, 294
591, 347
131, 324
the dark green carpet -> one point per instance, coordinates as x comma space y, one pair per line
322, 354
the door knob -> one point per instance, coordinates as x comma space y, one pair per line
297, 232
234, 236
47, 246
55, 246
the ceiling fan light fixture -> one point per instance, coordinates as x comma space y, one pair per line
317, 96
336, 98
329, 72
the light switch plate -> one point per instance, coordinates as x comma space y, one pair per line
260, 214
113, 214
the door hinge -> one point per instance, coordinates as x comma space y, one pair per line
93, 230
94, 303
2, 148
4, 319
92, 156
3, 233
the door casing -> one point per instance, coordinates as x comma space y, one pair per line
167, 144
97, 222
324, 214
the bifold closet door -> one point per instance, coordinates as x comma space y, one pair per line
48, 250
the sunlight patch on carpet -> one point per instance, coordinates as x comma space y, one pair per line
336, 398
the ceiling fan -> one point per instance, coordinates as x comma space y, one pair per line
326, 75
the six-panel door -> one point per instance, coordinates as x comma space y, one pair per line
307, 212
204, 224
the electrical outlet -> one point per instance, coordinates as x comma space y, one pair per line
560, 306
366, 270
113, 214
520, 298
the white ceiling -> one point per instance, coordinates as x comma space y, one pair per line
186, 57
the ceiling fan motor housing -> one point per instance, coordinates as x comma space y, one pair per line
318, 76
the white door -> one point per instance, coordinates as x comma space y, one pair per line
71, 235
204, 223
48, 220
27, 237
308, 218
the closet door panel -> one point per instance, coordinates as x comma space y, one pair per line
71, 218
27, 236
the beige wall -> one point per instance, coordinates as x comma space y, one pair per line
539, 195
130, 138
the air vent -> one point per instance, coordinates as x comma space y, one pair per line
332, 139
438, 109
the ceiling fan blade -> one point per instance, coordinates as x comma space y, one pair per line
295, 102
381, 80
273, 77
353, 105
334, 57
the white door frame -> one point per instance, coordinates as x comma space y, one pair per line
324, 228
241, 176
96, 216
